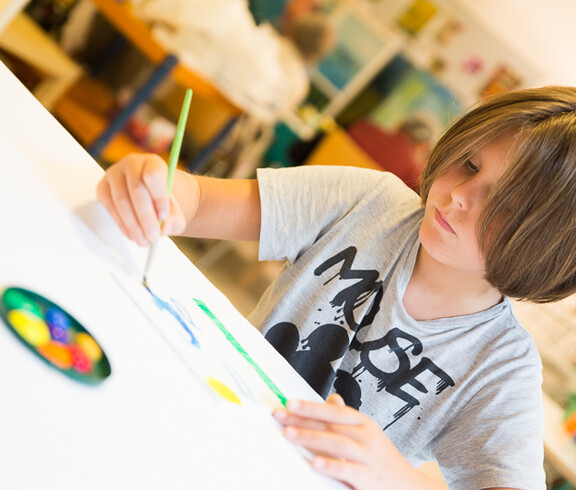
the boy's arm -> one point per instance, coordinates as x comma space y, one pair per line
134, 193
225, 208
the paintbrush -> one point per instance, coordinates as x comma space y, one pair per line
172, 162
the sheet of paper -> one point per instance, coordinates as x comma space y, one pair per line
223, 366
199, 327
151, 424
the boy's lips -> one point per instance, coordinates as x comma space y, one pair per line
442, 222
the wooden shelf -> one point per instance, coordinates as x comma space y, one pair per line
559, 446
85, 111
86, 122
24, 39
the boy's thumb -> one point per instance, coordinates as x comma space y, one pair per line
336, 399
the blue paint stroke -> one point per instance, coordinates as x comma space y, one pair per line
241, 385
178, 312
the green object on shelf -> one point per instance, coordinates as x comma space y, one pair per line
571, 408
277, 155
563, 486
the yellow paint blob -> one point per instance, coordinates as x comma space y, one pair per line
223, 390
89, 346
29, 326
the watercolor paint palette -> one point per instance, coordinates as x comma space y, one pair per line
54, 335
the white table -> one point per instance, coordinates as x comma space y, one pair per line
151, 424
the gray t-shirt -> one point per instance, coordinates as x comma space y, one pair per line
462, 391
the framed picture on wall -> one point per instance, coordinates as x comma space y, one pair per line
417, 16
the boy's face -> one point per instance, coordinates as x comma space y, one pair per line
454, 203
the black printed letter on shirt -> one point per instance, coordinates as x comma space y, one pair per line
405, 374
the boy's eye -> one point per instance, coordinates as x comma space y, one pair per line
470, 165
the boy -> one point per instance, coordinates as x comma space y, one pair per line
393, 306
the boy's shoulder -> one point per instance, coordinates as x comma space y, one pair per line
339, 178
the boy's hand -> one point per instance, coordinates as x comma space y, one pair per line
348, 445
134, 192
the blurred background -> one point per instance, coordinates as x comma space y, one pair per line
280, 83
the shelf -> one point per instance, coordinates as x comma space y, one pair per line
85, 111
559, 446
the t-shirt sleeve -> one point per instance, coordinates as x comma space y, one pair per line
300, 204
496, 439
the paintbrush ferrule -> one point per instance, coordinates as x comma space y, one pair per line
151, 253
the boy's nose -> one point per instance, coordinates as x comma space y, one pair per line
465, 194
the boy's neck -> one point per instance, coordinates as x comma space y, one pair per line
436, 290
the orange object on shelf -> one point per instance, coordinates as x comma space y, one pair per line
570, 423
338, 148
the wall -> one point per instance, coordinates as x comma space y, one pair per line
541, 32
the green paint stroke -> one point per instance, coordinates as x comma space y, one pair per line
243, 352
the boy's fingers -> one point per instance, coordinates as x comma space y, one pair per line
360, 433
134, 192
122, 203
327, 443
288, 419
142, 204
154, 176
105, 197
354, 474
326, 412
336, 399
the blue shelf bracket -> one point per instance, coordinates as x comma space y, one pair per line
160, 72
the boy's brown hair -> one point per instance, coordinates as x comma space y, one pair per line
527, 228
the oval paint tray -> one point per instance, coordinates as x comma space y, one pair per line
54, 335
